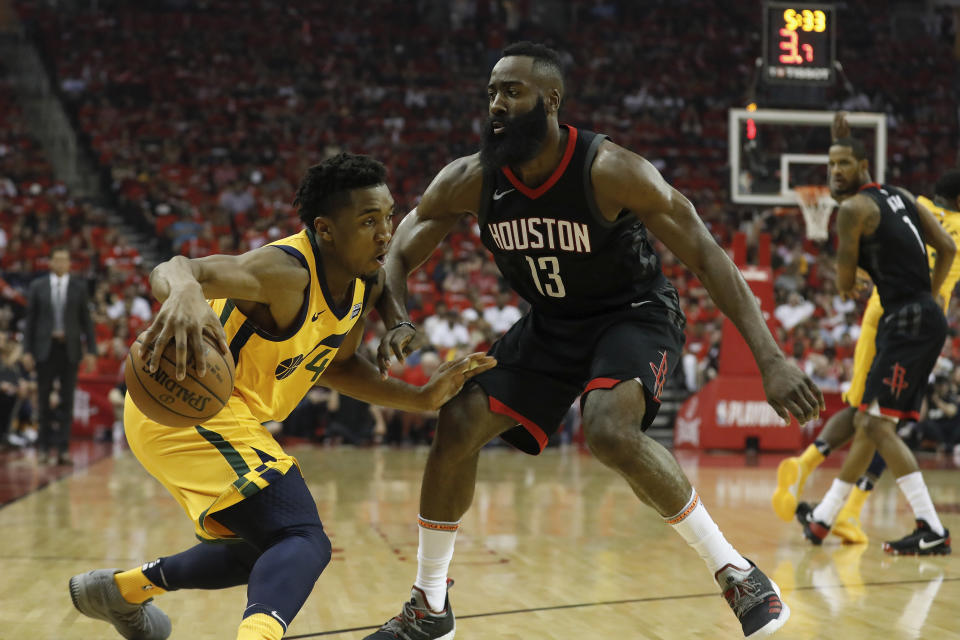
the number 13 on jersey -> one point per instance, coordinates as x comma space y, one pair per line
549, 266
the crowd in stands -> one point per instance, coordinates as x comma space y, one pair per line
202, 119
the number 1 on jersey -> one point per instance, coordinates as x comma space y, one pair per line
916, 233
550, 266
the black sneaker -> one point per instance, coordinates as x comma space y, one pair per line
418, 622
922, 542
813, 530
754, 598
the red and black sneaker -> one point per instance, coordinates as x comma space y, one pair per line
754, 598
813, 530
417, 621
922, 542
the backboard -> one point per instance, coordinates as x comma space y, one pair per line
773, 150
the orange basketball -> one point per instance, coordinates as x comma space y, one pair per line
179, 403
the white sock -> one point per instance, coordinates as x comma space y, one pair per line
695, 525
826, 512
915, 490
433, 559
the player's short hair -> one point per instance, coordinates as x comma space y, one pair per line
326, 187
948, 185
545, 59
858, 148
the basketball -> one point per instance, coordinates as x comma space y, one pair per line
179, 403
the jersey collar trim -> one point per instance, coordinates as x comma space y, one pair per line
870, 185
533, 194
340, 313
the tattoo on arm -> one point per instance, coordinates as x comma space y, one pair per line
849, 230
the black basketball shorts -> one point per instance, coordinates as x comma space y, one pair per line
544, 363
909, 340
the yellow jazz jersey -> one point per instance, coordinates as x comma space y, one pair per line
275, 372
232, 456
866, 343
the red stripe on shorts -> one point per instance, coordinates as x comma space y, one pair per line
610, 383
893, 413
498, 407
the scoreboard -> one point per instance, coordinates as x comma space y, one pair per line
799, 43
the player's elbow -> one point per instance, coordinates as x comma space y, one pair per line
845, 284
709, 259
949, 248
397, 262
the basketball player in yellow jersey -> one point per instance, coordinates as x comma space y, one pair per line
792, 472
291, 314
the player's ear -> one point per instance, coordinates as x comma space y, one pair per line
322, 228
553, 99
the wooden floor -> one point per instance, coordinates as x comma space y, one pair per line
554, 547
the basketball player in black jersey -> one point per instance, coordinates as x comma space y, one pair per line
884, 230
564, 213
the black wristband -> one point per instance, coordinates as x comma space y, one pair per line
404, 323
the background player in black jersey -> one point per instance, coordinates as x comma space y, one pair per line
885, 231
839, 430
563, 212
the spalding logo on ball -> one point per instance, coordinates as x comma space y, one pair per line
179, 403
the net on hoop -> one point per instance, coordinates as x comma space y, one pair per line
816, 204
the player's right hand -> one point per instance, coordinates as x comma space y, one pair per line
450, 377
791, 392
185, 317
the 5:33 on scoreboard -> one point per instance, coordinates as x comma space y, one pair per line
799, 43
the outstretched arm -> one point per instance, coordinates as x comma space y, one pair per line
624, 180
354, 375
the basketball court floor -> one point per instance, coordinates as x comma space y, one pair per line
554, 547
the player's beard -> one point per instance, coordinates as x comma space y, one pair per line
520, 141
844, 192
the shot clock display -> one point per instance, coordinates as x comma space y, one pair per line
798, 42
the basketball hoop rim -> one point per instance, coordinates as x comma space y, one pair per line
810, 194
816, 204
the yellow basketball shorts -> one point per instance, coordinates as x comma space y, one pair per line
864, 353
209, 467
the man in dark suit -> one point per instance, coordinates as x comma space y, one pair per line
58, 316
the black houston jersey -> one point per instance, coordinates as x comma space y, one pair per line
553, 245
895, 255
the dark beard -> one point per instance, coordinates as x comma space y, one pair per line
521, 140
849, 191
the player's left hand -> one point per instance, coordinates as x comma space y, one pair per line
400, 341
790, 392
450, 377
